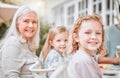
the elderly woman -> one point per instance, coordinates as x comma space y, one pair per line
20, 43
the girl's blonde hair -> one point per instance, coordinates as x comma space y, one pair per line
77, 25
52, 33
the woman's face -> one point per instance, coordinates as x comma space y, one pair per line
27, 25
90, 35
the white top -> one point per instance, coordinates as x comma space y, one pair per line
16, 59
83, 65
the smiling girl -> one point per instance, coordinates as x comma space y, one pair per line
55, 46
87, 39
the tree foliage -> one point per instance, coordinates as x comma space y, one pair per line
44, 28
3, 29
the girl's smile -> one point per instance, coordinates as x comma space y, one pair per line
90, 35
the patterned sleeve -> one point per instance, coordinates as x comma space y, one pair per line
50, 60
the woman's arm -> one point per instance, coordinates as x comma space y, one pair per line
12, 61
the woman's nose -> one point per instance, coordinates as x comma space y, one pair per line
30, 24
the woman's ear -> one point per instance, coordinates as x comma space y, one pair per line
17, 25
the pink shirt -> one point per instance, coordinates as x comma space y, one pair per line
83, 65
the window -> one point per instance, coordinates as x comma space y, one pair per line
79, 6
82, 4
108, 4
70, 13
94, 10
108, 19
119, 8
113, 19
70, 10
113, 4
100, 7
86, 3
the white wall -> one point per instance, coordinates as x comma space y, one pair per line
104, 12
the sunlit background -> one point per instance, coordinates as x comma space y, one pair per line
64, 12
59, 12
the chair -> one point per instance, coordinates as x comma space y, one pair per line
37, 70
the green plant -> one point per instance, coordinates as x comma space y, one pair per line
44, 28
3, 29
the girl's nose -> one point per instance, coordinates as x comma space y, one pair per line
62, 42
93, 36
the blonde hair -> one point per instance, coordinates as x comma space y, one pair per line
77, 25
52, 33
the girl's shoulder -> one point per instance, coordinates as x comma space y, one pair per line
53, 52
81, 55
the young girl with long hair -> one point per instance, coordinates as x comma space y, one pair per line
55, 46
87, 40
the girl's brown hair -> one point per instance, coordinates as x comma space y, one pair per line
52, 32
77, 25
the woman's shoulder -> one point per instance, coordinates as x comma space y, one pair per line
12, 41
12, 47
12, 38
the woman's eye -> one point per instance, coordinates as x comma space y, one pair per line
26, 21
34, 22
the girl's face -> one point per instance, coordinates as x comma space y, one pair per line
90, 35
60, 41
27, 25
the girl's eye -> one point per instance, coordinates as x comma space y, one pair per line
66, 40
87, 32
99, 33
58, 40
